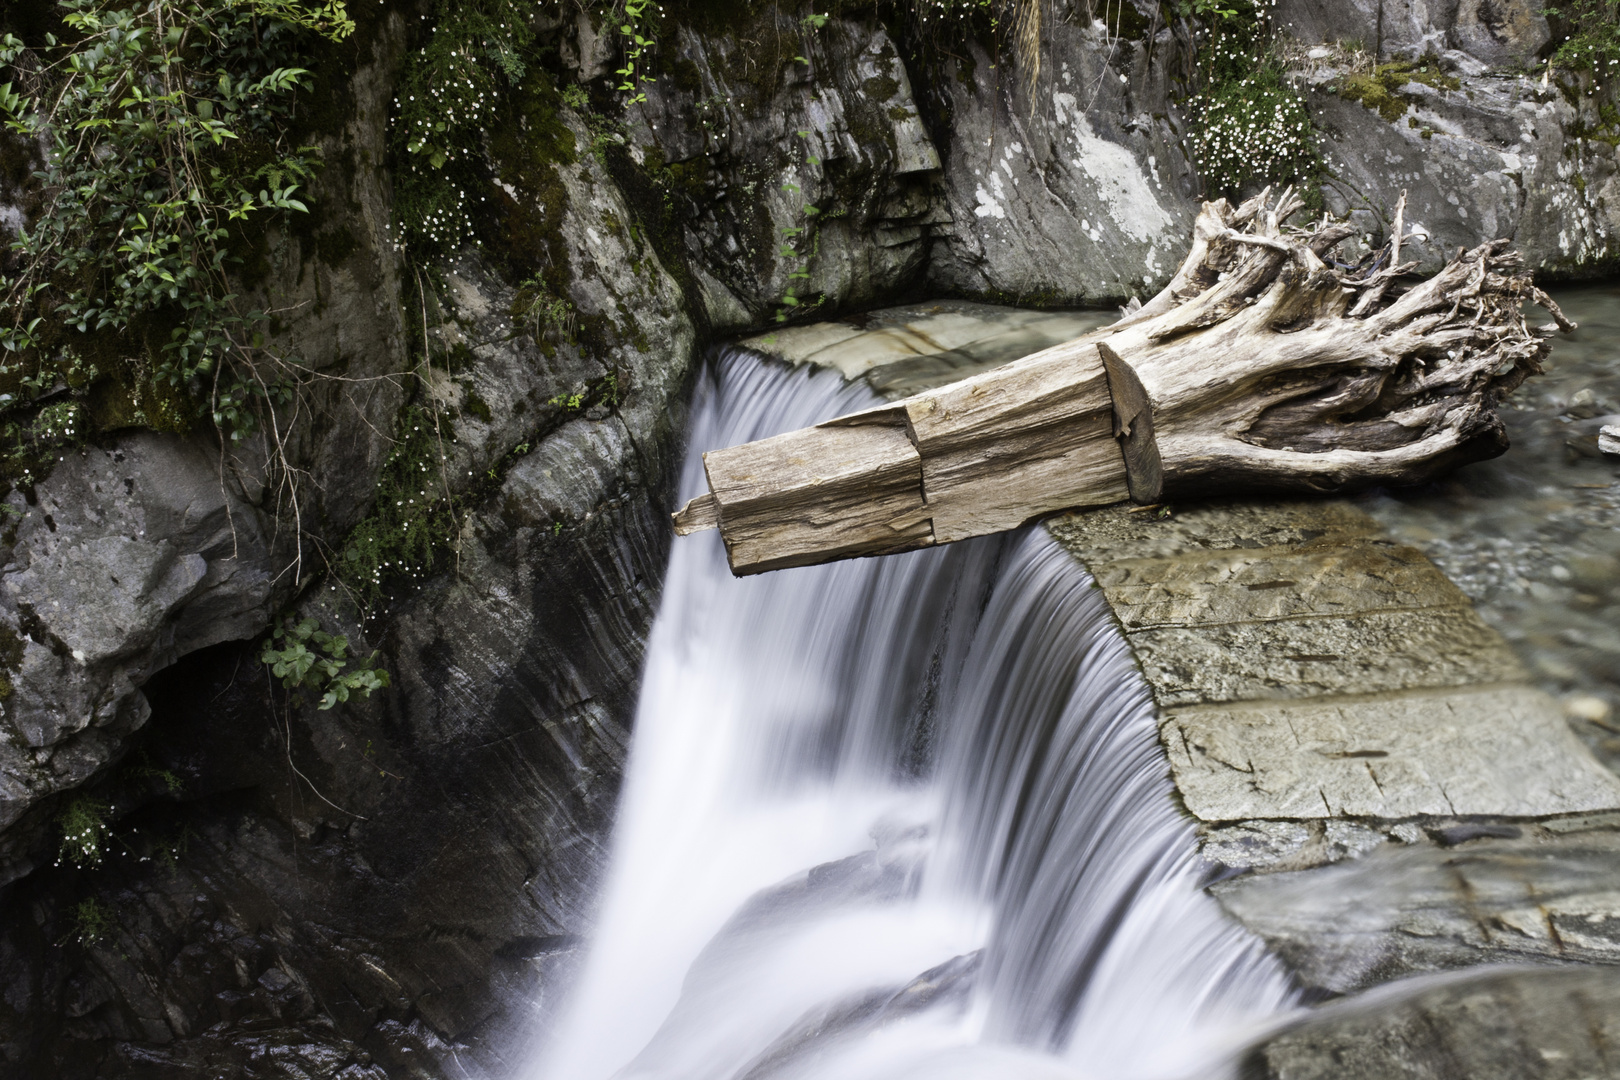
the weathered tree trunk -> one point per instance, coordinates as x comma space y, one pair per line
1260, 368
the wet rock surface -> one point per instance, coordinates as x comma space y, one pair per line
1450, 895
1391, 794
1524, 1025
1533, 537
396, 888
1294, 688
1404, 815
899, 351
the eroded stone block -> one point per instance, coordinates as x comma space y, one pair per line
1500, 751
1403, 910
1273, 583
1111, 533
1546, 1024
1311, 657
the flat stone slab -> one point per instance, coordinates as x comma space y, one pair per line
1500, 751
1310, 657
903, 350
1274, 583
1308, 668
1111, 533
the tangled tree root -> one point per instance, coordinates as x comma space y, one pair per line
1264, 366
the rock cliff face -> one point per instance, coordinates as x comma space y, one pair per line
392, 886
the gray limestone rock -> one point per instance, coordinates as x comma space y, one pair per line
1291, 659
1309, 669
1506, 1024
1078, 191
1500, 32
1495, 32
1495, 157
135, 552
128, 559
763, 149
1500, 751
900, 351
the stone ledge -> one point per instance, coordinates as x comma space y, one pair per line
1112, 533
1212, 588
1501, 751
1309, 657
1405, 909
1532, 1024
902, 350
1309, 669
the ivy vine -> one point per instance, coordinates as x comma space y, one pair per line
306, 658
633, 75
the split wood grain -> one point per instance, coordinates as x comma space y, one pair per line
818, 494
1017, 442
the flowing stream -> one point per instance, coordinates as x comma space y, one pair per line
897, 817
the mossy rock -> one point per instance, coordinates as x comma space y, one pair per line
529, 141
1383, 90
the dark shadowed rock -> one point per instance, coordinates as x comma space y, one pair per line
1529, 1024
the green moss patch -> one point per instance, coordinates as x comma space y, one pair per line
1383, 91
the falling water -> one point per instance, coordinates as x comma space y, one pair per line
896, 817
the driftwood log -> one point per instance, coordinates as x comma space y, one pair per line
1264, 366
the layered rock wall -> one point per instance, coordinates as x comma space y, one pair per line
395, 885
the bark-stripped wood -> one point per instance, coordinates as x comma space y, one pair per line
1022, 440
1261, 367
829, 492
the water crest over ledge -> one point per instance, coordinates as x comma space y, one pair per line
897, 816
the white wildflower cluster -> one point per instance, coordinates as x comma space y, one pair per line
413, 521
447, 102
445, 224
460, 102
58, 423
82, 846
85, 831
940, 11
1254, 133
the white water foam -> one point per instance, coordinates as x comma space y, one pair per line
896, 817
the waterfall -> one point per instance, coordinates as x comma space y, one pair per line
894, 817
